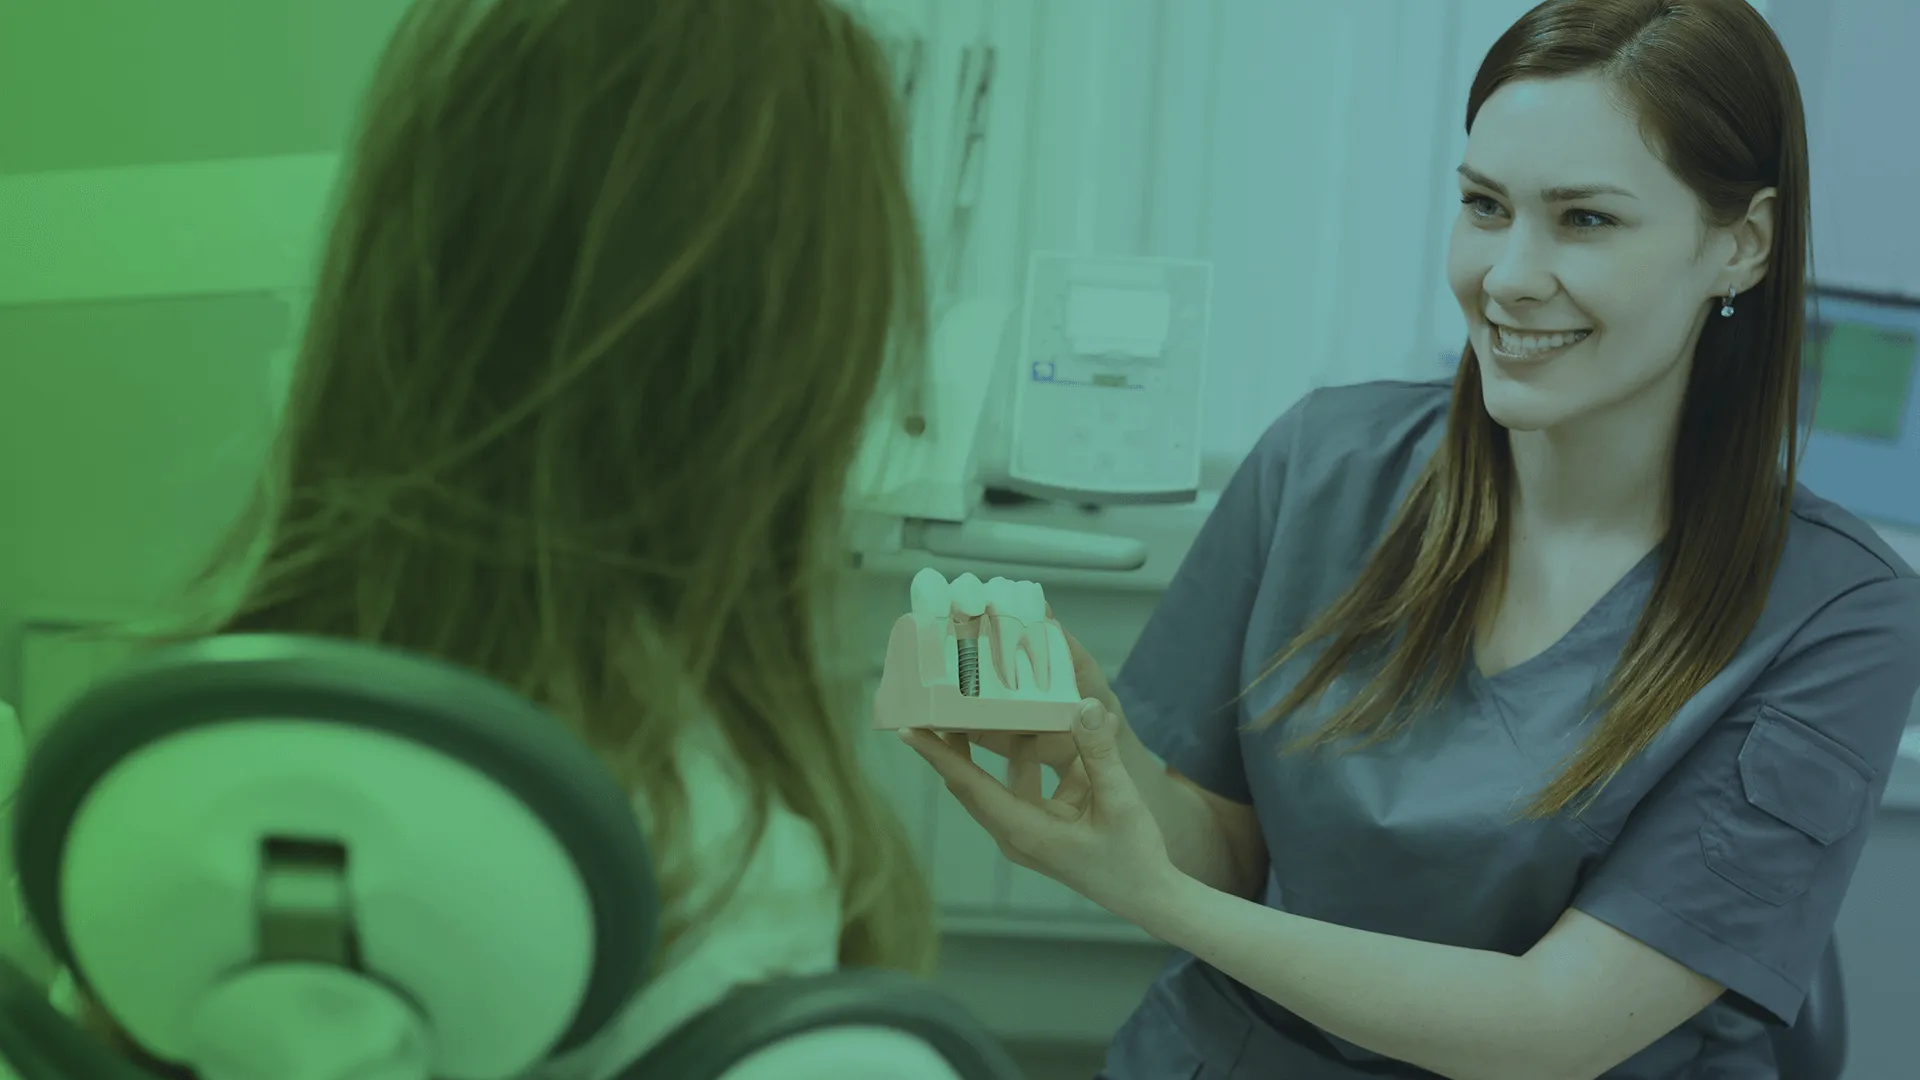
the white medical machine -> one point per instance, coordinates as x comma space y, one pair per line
1089, 393
1108, 379
1081, 384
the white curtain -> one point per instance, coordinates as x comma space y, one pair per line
1296, 146
1307, 150
1858, 78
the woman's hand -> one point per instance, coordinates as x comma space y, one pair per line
1095, 835
1056, 751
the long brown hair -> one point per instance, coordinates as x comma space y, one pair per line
608, 294
1718, 98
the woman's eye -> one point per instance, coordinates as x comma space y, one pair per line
1480, 205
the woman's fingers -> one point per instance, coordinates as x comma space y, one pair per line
1023, 769
1075, 788
998, 742
1054, 750
1025, 754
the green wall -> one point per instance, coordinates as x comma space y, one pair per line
129, 428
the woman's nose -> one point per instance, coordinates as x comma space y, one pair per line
1522, 269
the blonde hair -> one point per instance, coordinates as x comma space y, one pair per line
609, 293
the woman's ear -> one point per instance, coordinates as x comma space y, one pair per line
1753, 240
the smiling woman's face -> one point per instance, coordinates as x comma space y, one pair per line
1577, 257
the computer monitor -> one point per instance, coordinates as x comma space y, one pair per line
1860, 397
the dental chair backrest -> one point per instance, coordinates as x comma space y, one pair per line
285, 858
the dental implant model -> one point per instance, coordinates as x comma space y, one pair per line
976, 656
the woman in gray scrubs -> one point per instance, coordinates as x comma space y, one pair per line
1582, 706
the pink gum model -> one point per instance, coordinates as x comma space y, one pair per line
914, 691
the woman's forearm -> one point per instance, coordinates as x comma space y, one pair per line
1460, 1013
1200, 847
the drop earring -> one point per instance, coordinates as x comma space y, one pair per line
1726, 309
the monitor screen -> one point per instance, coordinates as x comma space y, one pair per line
1859, 401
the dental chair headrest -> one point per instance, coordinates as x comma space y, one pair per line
275, 858
289, 858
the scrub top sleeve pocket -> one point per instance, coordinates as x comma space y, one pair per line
1180, 683
1736, 863
1793, 795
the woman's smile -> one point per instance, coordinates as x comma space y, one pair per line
1511, 346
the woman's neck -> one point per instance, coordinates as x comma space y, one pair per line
1605, 474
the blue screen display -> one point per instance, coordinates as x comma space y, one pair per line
1861, 371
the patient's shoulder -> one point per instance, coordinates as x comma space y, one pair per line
847, 1053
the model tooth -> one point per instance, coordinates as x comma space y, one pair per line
1064, 686
1002, 597
1006, 602
1032, 612
1029, 680
1033, 604
932, 596
969, 596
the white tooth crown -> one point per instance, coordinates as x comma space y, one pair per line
932, 596
1033, 602
933, 617
1019, 628
1003, 597
923, 684
969, 596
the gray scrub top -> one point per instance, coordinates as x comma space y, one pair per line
1727, 844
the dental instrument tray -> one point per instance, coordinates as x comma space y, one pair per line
974, 656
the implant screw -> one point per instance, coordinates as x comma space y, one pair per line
969, 667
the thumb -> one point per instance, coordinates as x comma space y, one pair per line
1099, 752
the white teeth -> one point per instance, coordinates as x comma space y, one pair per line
1516, 344
1061, 685
1033, 603
1029, 679
969, 595
932, 597
1044, 635
933, 613
1004, 598
1019, 614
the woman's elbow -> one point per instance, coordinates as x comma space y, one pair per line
1229, 852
